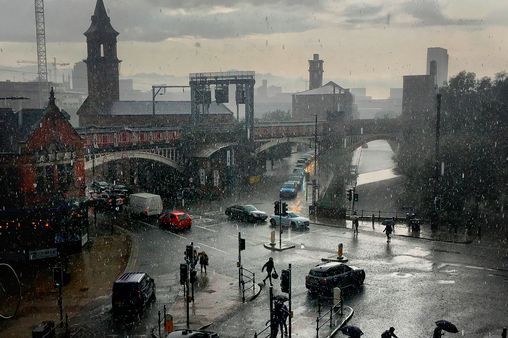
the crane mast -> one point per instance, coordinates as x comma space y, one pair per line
40, 32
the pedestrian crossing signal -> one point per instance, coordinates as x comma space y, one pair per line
241, 243
276, 208
284, 281
356, 197
284, 208
349, 195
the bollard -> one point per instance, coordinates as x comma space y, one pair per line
272, 238
317, 327
159, 321
504, 333
340, 251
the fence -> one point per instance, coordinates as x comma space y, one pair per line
327, 317
248, 281
263, 333
379, 215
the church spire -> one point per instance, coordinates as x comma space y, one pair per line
101, 24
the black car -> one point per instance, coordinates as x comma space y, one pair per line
192, 334
247, 213
324, 277
132, 292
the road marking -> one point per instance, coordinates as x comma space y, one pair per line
213, 248
205, 228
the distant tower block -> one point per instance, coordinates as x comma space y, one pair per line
315, 72
437, 65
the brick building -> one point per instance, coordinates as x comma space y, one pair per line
41, 157
328, 98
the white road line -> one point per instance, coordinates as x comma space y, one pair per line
204, 228
213, 248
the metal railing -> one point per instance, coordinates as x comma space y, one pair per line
327, 317
248, 281
262, 333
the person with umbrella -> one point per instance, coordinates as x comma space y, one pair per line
388, 229
389, 333
444, 325
352, 331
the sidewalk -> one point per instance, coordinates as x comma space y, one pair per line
93, 271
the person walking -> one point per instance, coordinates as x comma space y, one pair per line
389, 333
373, 218
355, 223
437, 332
388, 231
203, 260
269, 266
284, 317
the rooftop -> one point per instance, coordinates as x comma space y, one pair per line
325, 89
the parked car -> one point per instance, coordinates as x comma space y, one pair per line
132, 292
302, 160
246, 213
291, 219
299, 171
175, 219
288, 190
145, 204
324, 277
99, 186
192, 334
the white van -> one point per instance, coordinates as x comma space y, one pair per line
145, 204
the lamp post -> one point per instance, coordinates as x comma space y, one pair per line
437, 200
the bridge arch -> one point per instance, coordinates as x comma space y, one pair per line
276, 142
129, 154
355, 141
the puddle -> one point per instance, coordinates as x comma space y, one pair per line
446, 282
401, 275
412, 263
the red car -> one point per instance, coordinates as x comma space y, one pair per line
175, 219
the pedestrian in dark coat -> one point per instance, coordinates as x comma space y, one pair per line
203, 260
388, 231
437, 333
269, 266
389, 333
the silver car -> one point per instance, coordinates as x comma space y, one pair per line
291, 219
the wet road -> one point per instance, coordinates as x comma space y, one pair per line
409, 283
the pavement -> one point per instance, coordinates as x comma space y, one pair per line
93, 271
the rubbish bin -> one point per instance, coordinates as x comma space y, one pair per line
45, 329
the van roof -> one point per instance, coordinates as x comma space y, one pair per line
131, 277
145, 195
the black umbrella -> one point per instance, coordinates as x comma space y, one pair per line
447, 326
351, 331
388, 221
280, 298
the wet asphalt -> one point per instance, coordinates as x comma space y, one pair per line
410, 283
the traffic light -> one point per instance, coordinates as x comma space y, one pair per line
189, 253
284, 281
349, 194
183, 273
356, 197
57, 276
241, 243
276, 208
284, 208
193, 276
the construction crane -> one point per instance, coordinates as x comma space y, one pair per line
54, 64
40, 33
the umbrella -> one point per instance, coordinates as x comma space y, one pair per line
280, 298
351, 331
447, 326
388, 221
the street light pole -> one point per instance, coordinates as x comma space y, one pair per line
437, 201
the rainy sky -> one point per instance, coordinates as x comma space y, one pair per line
368, 43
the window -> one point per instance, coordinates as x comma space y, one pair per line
65, 176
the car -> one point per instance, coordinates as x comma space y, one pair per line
297, 178
132, 292
288, 190
145, 204
299, 171
324, 277
175, 219
99, 186
186, 333
246, 213
291, 219
300, 166
302, 160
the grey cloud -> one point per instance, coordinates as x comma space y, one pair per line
429, 13
66, 20
360, 10
197, 4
